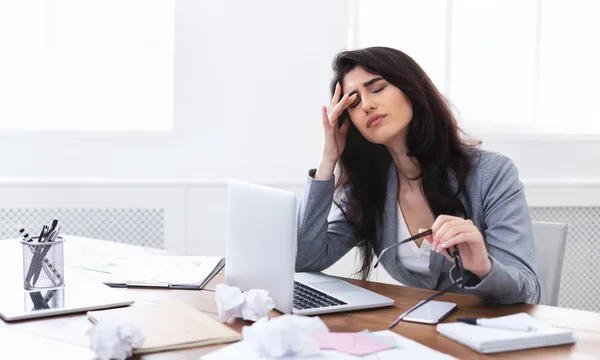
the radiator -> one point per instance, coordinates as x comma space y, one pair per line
138, 226
580, 281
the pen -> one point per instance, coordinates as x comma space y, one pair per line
54, 234
38, 300
48, 296
37, 258
48, 238
46, 264
26, 236
43, 234
492, 323
54, 223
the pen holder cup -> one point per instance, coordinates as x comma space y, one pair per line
41, 299
43, 264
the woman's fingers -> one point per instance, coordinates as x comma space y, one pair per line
447, 256
338, 104
325, 118
336, 96
428, 238
334, 112
452, 231
441, 231
441, 220
337, 110
461, 238
345, 127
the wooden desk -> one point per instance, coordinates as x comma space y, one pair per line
64, 336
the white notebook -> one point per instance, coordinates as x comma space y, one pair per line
491, 340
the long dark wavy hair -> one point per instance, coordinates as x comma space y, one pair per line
434, 140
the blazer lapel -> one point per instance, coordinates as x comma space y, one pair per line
389, 237
436, 263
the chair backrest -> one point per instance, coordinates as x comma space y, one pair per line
550, 241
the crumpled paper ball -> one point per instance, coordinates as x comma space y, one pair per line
115, 340
233, 303
286, 335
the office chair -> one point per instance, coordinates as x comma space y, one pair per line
550, 242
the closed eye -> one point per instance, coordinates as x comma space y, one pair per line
355, 104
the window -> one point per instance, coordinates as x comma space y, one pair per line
98, 65
528, 64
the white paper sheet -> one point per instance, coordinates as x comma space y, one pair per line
251, 305
115, 340
409, 350
286, 335
163, 269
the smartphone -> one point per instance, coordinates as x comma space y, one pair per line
431, 313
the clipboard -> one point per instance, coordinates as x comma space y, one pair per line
166, 272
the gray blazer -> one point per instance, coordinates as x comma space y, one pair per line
499, 210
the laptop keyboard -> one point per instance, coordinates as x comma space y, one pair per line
308, 298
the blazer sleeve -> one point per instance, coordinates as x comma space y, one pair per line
508, 236
324, 236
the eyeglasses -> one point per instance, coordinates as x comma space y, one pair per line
412, 238
457, 274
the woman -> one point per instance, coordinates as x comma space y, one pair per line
404, 167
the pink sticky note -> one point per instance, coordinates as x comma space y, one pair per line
358, 344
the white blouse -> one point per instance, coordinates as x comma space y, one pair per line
413, 258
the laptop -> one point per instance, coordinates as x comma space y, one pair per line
260, 253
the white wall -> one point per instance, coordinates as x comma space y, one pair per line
250, 77
551, 158
490, 74
249, 81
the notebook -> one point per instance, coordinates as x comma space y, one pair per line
491, 340
175, 272
169, 326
